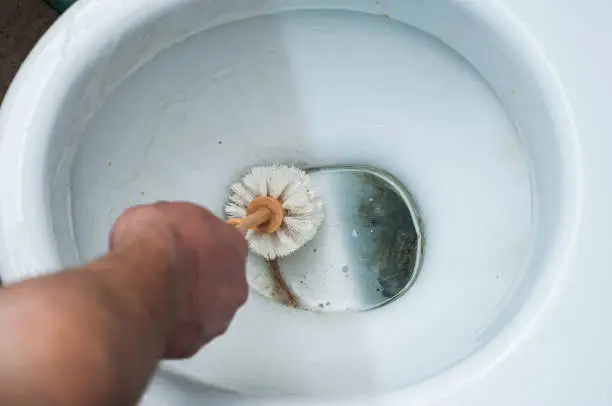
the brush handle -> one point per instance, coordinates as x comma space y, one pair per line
264, 213
252, 220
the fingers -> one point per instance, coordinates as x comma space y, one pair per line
186, 344
236, 238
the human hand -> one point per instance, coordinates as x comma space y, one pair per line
208, 259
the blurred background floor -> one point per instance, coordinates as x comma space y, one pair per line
22, 23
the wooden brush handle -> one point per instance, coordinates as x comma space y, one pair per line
252, 221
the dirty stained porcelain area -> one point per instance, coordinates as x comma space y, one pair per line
450, 97
367, 253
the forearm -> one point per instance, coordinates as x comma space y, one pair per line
88, 336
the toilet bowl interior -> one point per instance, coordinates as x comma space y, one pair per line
453, 101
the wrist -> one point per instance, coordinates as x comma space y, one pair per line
149, 259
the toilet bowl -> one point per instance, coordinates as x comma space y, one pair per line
125, 103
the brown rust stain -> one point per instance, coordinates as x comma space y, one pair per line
281, 289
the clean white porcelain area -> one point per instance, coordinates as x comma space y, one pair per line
479, 116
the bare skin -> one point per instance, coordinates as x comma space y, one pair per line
172, 281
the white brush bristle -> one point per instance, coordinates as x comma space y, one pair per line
294, 189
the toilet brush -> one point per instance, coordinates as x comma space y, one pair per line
277, 207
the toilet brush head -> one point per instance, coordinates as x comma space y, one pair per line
293, 189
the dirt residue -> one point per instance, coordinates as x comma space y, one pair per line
281, 291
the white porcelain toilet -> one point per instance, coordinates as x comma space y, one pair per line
493, 114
